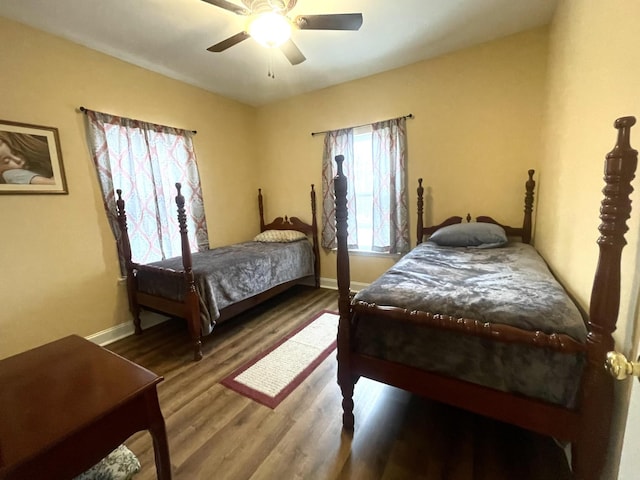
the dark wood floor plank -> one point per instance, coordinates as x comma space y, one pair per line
215, 433
239, 447
295, 457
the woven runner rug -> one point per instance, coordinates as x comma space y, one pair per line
275, 373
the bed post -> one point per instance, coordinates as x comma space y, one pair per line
530, 185
345, 377
590, 449
261, 210
134, 308
420, 224
192, 301
316, 248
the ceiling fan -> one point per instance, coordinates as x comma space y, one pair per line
269, 24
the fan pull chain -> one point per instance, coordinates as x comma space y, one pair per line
270, 72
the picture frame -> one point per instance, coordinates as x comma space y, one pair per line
30, 159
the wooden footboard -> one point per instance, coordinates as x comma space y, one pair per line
587, 426
189, 308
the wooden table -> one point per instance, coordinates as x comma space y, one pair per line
66, 405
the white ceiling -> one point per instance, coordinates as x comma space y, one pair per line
171, 37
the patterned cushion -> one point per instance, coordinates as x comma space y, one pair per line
279, 236
121, 464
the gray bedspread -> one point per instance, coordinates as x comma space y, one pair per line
510, 285
229, 274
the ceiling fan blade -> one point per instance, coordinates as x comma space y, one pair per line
292, 52
232, 7
338, 21
229, 42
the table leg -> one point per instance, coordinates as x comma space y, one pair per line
159, 435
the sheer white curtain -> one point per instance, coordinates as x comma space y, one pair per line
390, 211
145, 161
337, 142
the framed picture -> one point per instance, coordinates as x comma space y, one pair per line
30, 159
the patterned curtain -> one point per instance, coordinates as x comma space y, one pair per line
145, 161
390, 217
337, 142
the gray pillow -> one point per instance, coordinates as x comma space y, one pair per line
477, 234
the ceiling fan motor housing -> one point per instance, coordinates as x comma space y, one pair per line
261, 6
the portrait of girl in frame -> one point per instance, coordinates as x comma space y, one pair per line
30, 159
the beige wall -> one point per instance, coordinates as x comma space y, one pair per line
59, 260
594, 77
477, 116
59, 268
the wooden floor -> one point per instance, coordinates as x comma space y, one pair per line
215, 433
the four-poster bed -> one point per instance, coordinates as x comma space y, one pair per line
389, 331
209, 287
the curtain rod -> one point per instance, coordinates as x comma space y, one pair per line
356, 126
84, 110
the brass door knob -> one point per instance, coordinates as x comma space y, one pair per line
620, 368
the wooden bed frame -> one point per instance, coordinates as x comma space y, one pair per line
189, 309
587, 426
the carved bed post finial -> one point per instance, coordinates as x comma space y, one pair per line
420, 224
261, 209
615, 210
125, 244
316, 248
345, 377
340, 188
597, 392
191, 296
313, 204
182, 216
529, 186
122, 221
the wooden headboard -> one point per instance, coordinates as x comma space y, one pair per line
523, 232
294, 223
290, 223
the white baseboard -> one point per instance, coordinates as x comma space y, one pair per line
118, 332
150, 319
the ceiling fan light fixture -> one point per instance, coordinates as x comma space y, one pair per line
270, 29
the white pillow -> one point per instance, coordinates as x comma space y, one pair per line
279, 236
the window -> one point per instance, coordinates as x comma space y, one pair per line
145, 161
363, 186
375, 167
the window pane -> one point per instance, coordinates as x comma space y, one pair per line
363, 178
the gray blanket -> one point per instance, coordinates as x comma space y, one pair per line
510, 285
229, 274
